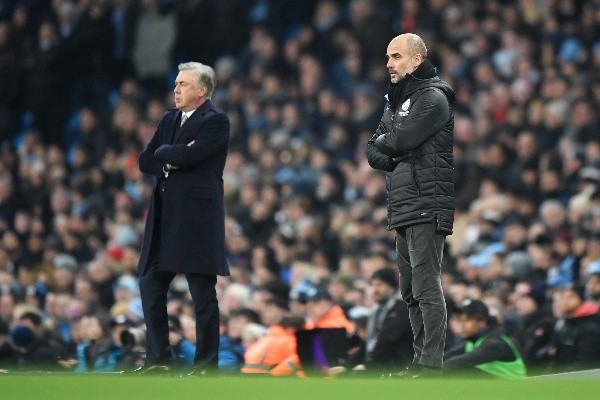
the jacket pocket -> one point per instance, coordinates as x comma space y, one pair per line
201, 193
413, 169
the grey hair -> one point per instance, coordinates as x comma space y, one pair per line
204, 75
416, 45
552, 205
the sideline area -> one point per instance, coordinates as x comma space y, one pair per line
590, 374
67, 386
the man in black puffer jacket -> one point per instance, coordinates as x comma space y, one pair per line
413, 143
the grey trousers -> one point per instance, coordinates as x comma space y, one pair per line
420, 252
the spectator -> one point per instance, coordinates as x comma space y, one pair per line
31, 348
231, 351
182, 338
275, 352
487, 350
322, 312
574, 345
236, 297
97, 352
592, 285
389, 334
536, 323
156, 24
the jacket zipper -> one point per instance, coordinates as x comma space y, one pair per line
389, 203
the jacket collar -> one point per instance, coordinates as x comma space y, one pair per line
198, 114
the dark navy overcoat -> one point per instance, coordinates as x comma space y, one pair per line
191, 214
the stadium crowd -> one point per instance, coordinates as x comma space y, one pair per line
84, 83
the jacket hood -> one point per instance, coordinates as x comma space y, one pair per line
413, 84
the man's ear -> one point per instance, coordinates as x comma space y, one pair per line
417, 59
203, 90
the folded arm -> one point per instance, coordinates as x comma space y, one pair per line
147, 162
211, 140
378, 160
427, 116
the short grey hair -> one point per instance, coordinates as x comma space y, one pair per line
416, 45
205, 75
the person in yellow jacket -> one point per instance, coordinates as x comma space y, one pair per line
274, 353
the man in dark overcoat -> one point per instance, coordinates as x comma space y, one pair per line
185, 227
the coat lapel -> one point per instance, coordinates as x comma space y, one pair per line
172, 128
178, 129
192, 121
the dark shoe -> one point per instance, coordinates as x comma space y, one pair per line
201, 371
416, 371
152, 370
430, 372
407, 373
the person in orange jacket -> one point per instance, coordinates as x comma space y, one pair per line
274, 353
322, 312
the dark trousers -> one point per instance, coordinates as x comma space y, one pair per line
420, 252
154, 286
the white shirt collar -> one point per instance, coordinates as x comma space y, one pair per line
188, 114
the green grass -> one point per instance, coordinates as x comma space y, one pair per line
89, 387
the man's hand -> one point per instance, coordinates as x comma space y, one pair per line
191, 143
168, 168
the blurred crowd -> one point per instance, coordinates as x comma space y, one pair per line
84, 83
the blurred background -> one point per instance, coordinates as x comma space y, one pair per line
84, 83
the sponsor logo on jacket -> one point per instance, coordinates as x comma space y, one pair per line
404, 108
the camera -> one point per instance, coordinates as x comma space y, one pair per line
133, 337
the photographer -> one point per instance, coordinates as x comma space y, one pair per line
182, 338
97, 353
131, 338
31, 348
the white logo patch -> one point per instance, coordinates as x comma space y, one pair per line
405, 105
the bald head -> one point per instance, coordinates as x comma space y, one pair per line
405, 53
414, 44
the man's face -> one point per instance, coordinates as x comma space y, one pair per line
236, 326
258, 300
381, 291
564, 302
188, 94
525, 305
317, 309
271, 314
399, 60
468, 326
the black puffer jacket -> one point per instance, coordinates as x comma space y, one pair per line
420, 132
